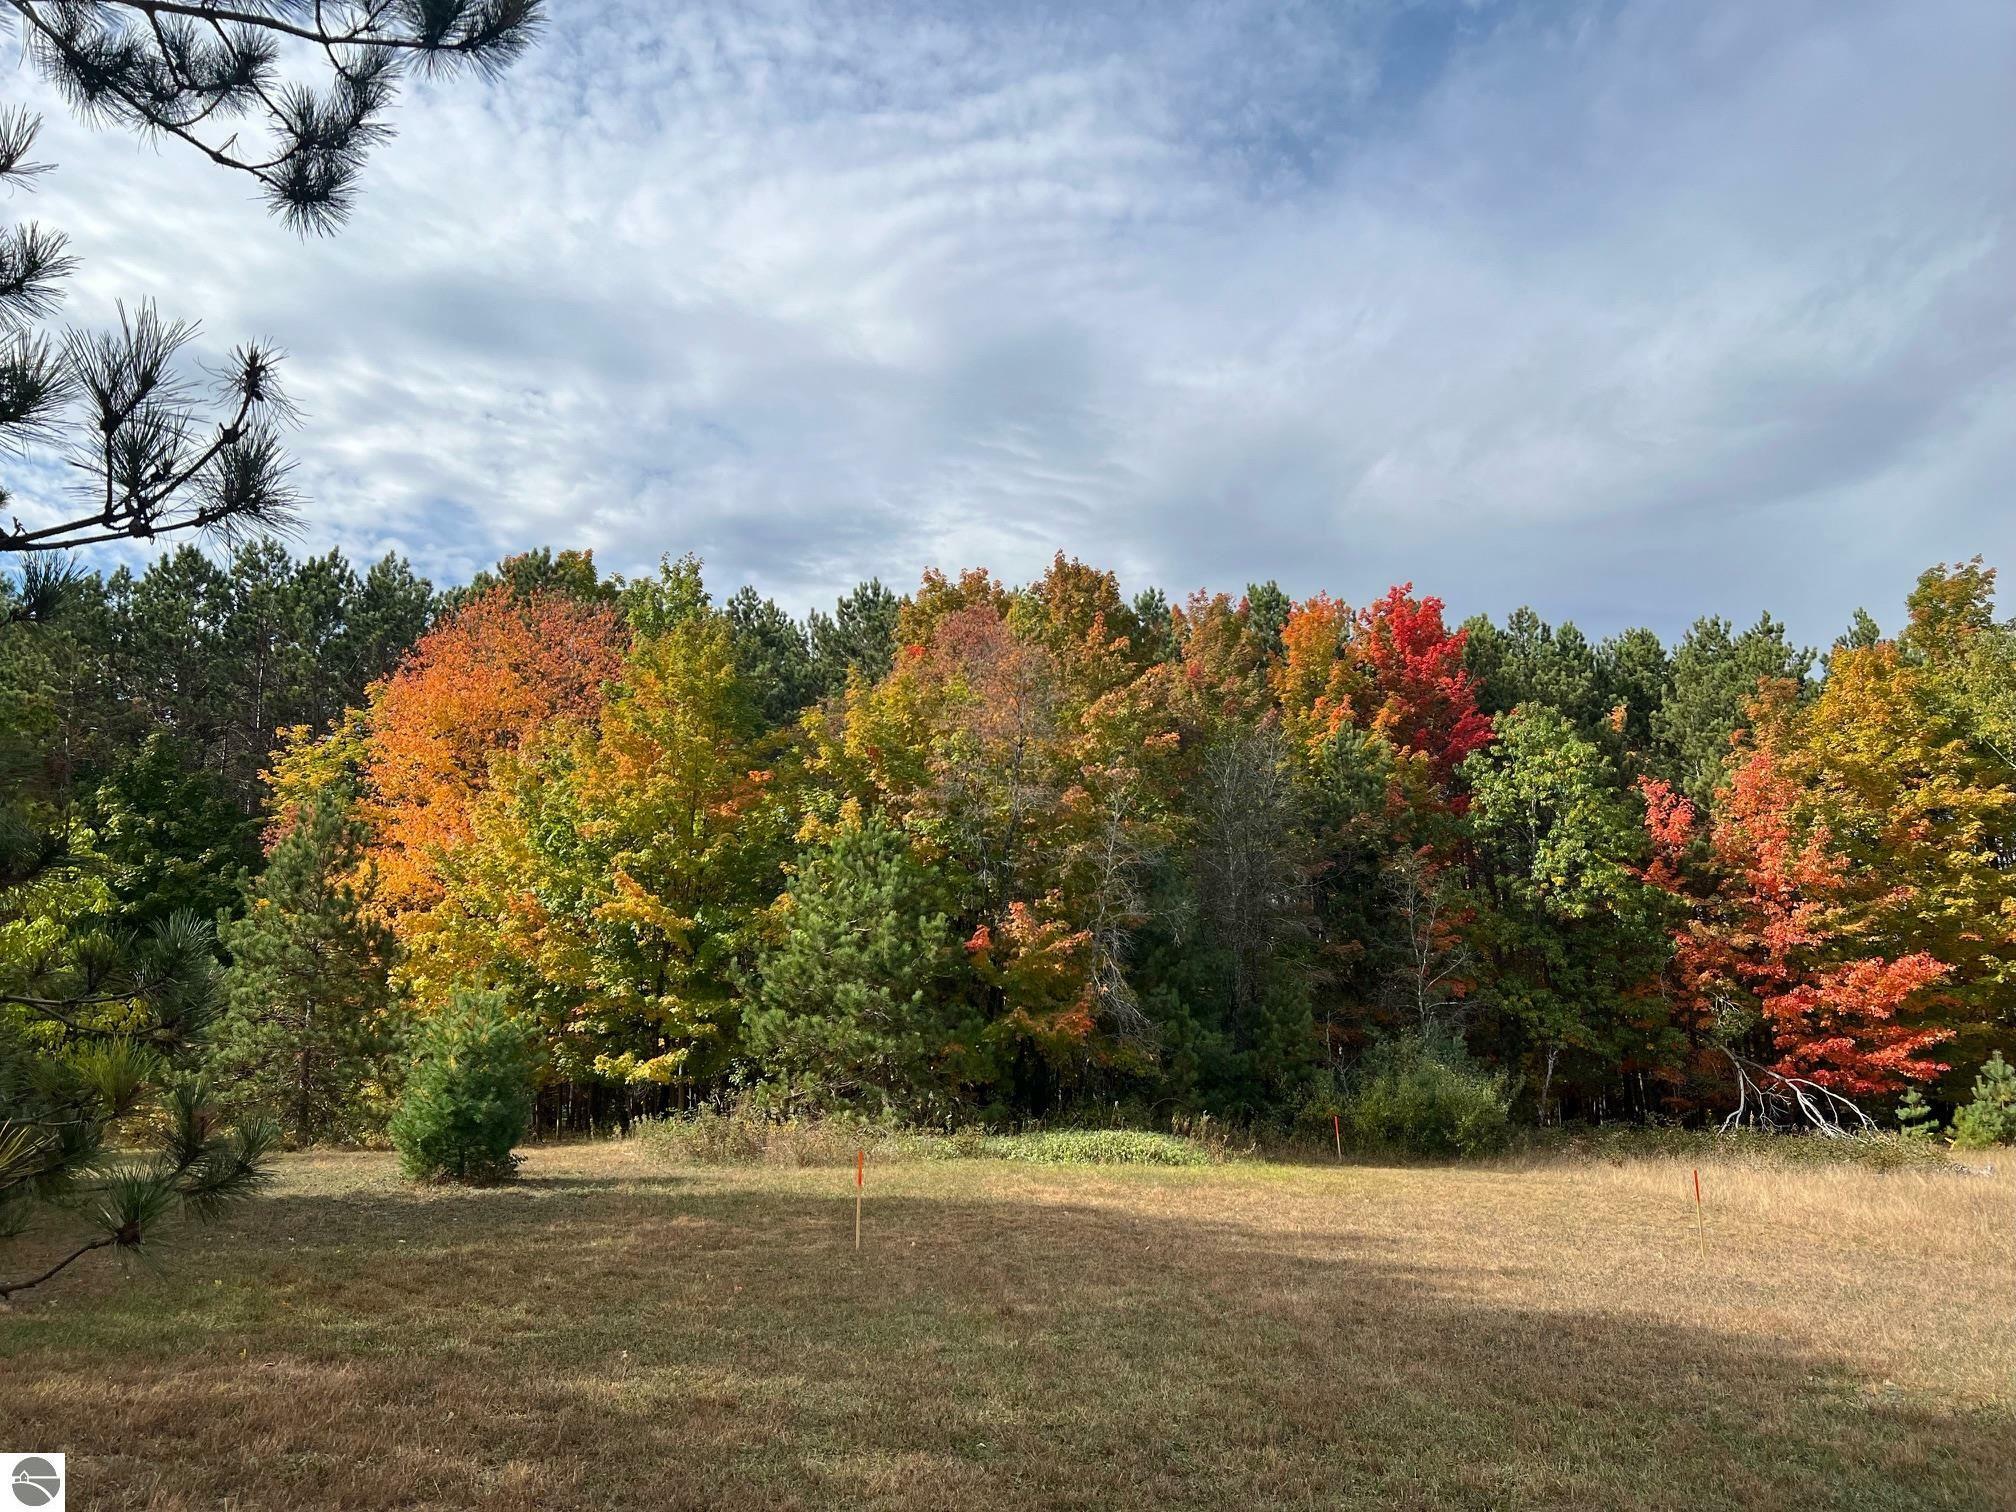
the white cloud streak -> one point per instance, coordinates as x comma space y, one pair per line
1632, 312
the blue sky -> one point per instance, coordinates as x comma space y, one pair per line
1628, 311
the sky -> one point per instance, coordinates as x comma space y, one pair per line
1630, 312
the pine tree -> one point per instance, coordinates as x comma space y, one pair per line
468, 1096
1266, 609
772, 657
304, 1031
1990, 1119
1715, 676
1915, 1118
860, 635
858, 994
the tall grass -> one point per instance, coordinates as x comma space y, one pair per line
750, 1134
747, 1136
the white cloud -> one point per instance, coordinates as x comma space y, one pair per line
1635, 313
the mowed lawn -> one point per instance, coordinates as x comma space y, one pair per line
613, 1332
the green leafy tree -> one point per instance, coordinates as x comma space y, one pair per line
859, 995
468, 1096
305, 1033
169, 838
654, 606
1571, 934
1425, 1096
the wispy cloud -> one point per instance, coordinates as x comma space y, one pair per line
1627, 310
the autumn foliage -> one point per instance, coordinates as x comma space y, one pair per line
1770, 940
477, 685
1393, 669
1048, 844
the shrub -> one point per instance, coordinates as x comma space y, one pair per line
1990, 1119
1428, 1099
468, 1098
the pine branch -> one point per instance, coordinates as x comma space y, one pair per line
170, 67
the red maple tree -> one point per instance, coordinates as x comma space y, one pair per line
1772, 928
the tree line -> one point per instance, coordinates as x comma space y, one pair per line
984, 852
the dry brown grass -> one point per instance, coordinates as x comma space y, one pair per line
614, 1333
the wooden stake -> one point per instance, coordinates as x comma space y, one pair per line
1700, 1224
1337, 1133
860, 1177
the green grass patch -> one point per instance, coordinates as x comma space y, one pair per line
737, 1137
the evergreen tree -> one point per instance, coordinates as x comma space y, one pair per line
1862, 633
468, 1095
98, 1022
772, 657
1529, 661
156, 458
391, 610
1157, 626
860, 635
1266, 608
859, 997
1715, 678
1915, 1118
1990, 1118
569, 574
304, 1031
1636, 675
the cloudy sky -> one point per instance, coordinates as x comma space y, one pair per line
1629, 311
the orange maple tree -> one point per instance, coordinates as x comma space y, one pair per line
477, 684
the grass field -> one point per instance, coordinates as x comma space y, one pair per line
614, 1332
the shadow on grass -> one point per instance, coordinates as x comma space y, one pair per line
729, 1348
651, 1184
